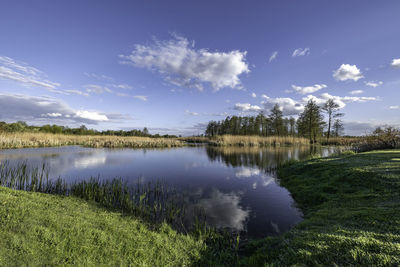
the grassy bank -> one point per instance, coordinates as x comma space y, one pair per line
22, 140
248, 140
42, 229
352, 213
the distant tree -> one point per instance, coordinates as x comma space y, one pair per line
276, 120
145, 131
337, 128
331, 108
310, 123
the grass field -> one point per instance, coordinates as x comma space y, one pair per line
43, 229
352, 213
22, 140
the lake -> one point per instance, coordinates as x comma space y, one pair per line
236, 187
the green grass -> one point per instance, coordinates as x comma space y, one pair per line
43, 229
351, 205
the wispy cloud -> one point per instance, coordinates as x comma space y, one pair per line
253, 95
356, 92
97, 89
24, 74
373, 84
394, 107
301, 52
36, 109
141, 97
347, 72
191, 113
273, 56
182, 65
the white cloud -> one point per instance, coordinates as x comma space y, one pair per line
98, 76
273, 56
122, 86
287, 105
90, 115
396, 63
347, 72
394, 107
246, 107
301, 52
34, 109
356, 92
247, 172
24, 74
191, 113
182, 65
308, 89
290, 106
141, 97
373, 84
76, 92
253, 95
97, 89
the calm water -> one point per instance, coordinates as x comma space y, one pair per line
237, 187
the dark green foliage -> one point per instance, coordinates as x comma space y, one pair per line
273, 125
21, 126
310, 123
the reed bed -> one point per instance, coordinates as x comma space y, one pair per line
257, 141
341, 141
25, 140
153, 202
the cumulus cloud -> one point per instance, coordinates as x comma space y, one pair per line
287, 105
181, 64
301, 52
290, 106
24, 74
253, 95
246, 107
34, 109
273, 56
373, 84
224, 210
356, 92
347, 72
308, 89
396, 63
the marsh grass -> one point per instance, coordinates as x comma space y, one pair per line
24, 140
249, 140
154, 202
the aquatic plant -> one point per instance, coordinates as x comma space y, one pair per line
23, 140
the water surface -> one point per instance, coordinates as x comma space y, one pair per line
236, 187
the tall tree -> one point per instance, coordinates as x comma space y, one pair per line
276, 120
310, 123
331, 108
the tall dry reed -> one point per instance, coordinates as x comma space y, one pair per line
23, 140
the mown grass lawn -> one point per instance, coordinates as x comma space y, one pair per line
42, 229
352, 213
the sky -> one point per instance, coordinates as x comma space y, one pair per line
172, 66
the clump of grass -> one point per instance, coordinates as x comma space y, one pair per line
257, 141
340, 141
23, 140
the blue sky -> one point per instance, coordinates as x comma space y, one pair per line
174, 65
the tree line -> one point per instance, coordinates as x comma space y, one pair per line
22, 126
310, 123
